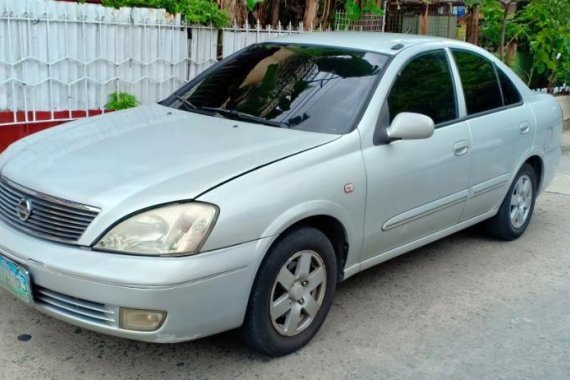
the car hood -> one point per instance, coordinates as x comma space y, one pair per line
147, 156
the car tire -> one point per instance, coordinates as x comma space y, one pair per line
292, 293
515, 212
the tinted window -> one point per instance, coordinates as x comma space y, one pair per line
479, 82
311, 88
425, 86
510, 93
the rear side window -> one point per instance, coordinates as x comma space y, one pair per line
479, 82
425, 86
510, 93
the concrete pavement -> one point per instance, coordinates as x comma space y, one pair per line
464, 307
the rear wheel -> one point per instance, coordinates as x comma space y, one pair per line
292, 293
515, 212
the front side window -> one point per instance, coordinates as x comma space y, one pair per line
305, 87
479, 82
425, 86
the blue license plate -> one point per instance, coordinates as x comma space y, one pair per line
15, 279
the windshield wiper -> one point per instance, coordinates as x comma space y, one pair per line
244, 116
186, 102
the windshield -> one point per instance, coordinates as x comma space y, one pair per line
312, 88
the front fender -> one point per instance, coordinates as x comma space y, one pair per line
267, 201
306, 210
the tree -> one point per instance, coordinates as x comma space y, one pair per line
237, 9
508, 8
498, 15
545, 27
541, 27
311, 8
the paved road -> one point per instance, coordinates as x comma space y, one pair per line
464, 307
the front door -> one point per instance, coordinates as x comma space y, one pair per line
417, 187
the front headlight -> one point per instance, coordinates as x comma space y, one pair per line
178, 229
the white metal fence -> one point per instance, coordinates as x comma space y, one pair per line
237, 38
57, 58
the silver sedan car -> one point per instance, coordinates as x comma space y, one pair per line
244, 198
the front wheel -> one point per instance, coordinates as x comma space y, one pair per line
515, 212
292, 293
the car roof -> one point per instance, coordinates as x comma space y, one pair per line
386, 43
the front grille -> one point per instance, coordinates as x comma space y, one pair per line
48, 217
75, 307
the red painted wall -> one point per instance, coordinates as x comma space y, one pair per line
44, 120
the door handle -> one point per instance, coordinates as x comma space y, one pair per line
524, 128
461, 148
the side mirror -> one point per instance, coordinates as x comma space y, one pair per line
410, 126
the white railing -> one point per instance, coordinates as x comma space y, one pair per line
61, 60
237, 38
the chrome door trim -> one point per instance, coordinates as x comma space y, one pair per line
390, 254
490, 185
426, 210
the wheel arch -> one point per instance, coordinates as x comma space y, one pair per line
538, 165
334, 231
330, 218
534, 158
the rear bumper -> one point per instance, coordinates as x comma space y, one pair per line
202, 295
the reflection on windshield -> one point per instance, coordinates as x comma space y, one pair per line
312, 88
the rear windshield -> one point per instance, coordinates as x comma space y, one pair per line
312, 88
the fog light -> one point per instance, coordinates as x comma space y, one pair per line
141, 320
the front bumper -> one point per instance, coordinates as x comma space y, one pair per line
203, 294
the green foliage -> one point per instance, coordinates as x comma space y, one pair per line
203, 12
252, 3
547, 32
354, 10
564, 74
493, 13
121, 101
541, 27
492, 19
371, 6
522, 65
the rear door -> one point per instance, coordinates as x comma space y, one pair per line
500, 125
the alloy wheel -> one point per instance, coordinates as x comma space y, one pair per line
521, 201
298, 293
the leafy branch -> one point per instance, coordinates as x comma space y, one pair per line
121, 101
540, 26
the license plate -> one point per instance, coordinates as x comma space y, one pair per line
15, 279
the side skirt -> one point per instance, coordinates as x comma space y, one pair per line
380, 258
